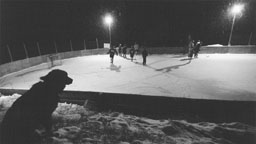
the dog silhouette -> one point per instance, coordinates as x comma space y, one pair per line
33, 109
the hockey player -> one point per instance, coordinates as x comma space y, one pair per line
120, 49
197, 48
132, 52
124, 50
144, 56
136, 48
112, 53
191, 49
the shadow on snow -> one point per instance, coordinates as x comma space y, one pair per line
114, 67
168, 69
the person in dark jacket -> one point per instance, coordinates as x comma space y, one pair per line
144, 56
124, 50
112, 53
191, 49
132, 52
120, 49
197, 49
136, 48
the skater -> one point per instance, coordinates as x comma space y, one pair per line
120, 50
197, 48
187, 45
190, 49
136, 48
112, 53
124, 51
132, 52
144, 56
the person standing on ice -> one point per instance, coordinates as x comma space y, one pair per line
144, 56
112, 53
132, 52
136, 48
124, 50
191, 49
197, 49
120, 49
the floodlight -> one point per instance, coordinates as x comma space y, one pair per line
237, 8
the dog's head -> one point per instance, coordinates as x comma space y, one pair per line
58, 79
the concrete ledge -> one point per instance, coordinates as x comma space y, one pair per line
193, 110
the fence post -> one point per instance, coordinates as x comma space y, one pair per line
71, 45
38, 48
10, 54
97, 43
84, 45
250, 38
26, 52
55, 46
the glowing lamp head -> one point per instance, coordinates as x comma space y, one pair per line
237, 8
108, 19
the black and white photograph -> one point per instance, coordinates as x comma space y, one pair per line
127, 71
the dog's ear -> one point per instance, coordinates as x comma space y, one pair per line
57, 76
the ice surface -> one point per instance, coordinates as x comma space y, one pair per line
211, 76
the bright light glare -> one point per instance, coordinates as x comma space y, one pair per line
237, 8
108, 19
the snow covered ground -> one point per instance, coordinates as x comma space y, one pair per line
211, 76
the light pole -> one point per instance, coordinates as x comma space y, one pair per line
236, 9
108, 19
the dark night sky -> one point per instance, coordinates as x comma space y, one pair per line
150, 22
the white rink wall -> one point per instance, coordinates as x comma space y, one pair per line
29, 62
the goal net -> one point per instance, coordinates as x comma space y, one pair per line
53, 60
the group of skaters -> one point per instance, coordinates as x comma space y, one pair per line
194, 48
122, 51
133, 51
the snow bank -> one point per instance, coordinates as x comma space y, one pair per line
74, 124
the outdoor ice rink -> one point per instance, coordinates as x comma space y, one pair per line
211, 76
